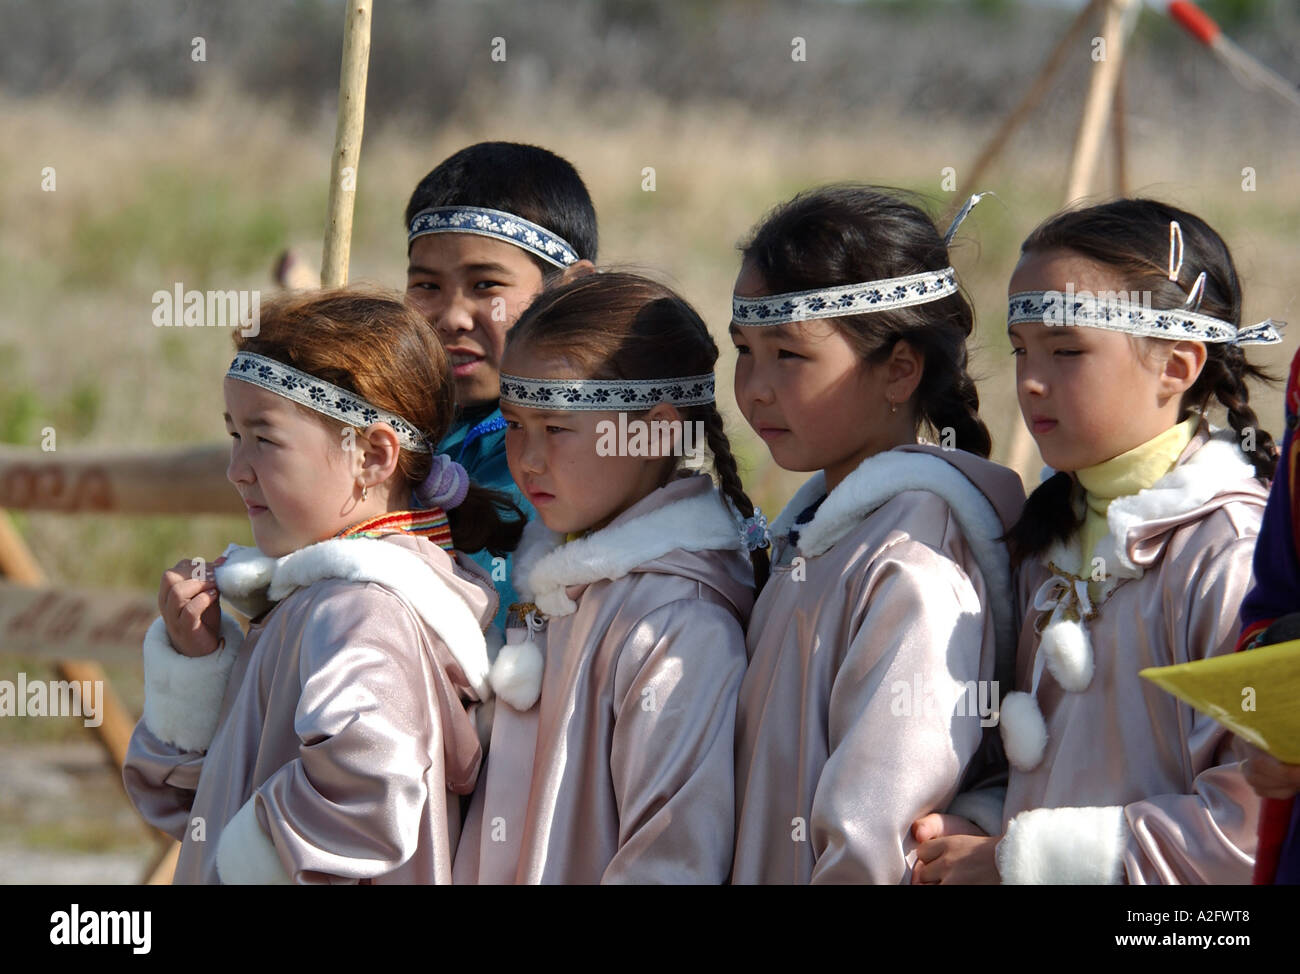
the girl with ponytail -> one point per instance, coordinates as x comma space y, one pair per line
611, 749
877, 646
1125, 320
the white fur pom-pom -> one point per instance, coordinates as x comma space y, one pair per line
244, 571
1024, 732
1068, 652
516, 675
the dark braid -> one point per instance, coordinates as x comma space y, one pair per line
724, 465
1224, 378
1047, 518
948, 398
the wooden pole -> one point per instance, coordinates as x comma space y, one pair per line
1037, 90
178, 480
338, 221
17, 563
115, 730
1101, 98
164, 867
1103, 88
347, 144
1119, 133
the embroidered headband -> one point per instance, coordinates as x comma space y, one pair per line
551, 247
1087, 310
1113, 311
321, 396
852, 299
598, 394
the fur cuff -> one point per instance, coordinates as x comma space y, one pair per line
982, 806
182, 694
246, 855
1064, 846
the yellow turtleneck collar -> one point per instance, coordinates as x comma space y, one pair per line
1127, 474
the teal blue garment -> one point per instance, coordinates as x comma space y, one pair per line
484, 457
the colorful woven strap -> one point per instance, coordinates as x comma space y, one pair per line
430, 523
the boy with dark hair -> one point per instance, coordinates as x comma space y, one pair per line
487, 229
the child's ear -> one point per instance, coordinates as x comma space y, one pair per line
903, 370
574, 271
668, 436
1182, 367
377, 450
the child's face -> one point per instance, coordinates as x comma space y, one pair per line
554, 458
471, 288
290, 469
811, 397
1087, 394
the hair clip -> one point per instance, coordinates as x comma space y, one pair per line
754, 531
1194, 296
962, 214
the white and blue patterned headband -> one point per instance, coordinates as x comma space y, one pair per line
850, 299
1114, 312
551, 247
321, 396
853, 299
601, 394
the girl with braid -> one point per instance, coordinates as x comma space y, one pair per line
611, 750
1125, 321
871, 694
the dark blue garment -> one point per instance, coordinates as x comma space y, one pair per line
1288, 864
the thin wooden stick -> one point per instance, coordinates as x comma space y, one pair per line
1037, 90
17, 563
1119, 132
163, 870
347, 144
117, 722
1101, 98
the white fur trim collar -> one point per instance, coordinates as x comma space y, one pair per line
1065, 648
881, 477
545, 566
247, 572
1215, 466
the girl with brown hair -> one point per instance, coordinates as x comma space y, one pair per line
331, 742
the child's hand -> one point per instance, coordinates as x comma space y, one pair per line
957, 859
936, 824
191, 608
1270, 777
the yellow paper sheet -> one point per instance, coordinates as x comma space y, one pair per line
1256, 694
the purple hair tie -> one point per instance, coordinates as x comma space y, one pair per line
446, 485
